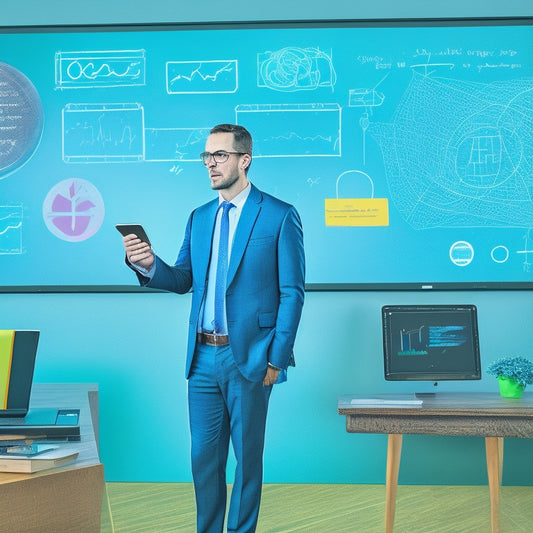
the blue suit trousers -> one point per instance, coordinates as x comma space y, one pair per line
224, 405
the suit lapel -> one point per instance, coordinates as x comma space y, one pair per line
204, 226
249, 215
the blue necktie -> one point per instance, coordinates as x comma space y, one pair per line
222, 269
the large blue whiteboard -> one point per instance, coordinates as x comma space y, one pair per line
407, 149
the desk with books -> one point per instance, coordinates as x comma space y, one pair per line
462, 414
67, 498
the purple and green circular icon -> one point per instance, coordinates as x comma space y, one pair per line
73, 210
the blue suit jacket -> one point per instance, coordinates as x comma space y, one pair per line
265, 286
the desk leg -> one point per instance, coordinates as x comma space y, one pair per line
494, 451
394, 450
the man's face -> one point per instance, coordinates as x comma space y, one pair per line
230, 174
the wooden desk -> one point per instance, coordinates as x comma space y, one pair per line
65, 499
466, 414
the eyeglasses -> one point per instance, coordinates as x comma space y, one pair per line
220, 156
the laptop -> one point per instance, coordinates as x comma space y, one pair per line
18, 349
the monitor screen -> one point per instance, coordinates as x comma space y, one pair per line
430, 342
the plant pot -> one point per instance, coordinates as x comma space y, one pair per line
510, 388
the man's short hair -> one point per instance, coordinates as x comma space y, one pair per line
242, 140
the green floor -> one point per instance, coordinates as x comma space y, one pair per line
169, 507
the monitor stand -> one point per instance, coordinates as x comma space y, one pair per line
425, 395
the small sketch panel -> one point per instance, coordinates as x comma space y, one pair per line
11, 229
197, 77
295, 69
103, 133
119, 68
287, 130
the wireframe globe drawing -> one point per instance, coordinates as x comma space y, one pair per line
21, 119
73, 210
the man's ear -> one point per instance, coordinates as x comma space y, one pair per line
245, 163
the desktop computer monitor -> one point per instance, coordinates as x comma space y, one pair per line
430, 342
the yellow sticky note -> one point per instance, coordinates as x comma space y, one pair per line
357, 211
7, 339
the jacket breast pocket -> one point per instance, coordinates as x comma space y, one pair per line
262, 241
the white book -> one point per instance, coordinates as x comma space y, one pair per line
44, 461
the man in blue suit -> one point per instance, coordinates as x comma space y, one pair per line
243, 258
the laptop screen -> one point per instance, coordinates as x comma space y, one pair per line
18, 349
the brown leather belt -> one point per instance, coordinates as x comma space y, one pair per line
212, 340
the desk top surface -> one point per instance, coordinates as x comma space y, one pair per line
439, 403
66, 396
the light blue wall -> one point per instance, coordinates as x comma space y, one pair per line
133, 344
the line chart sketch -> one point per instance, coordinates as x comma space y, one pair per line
175, 144
108, 68
460, 154
11, 218
103, 133
202, 77
293, 130
295, 69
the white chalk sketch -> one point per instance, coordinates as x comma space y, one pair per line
500, 254
202, 77
362, 185
527, 251
367, 99
108, 68
21, 119
175, 144
460, 154
11, 217
461, 253
73, 210
103, 133
295, 69
293, 130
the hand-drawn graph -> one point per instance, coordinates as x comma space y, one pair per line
293, 130
103, 133
460, 154
295, 69
73, 210
175, 144
21, 119
202, 77
110, 68
11, 217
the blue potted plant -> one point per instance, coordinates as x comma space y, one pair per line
513, 374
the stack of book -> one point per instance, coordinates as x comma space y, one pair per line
23, 455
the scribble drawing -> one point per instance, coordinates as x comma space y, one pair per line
295, 69
293, 130
103, 133
11, 217
109, 68
202, 77
175, 144
460, 154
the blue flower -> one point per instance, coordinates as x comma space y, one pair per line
518, 368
